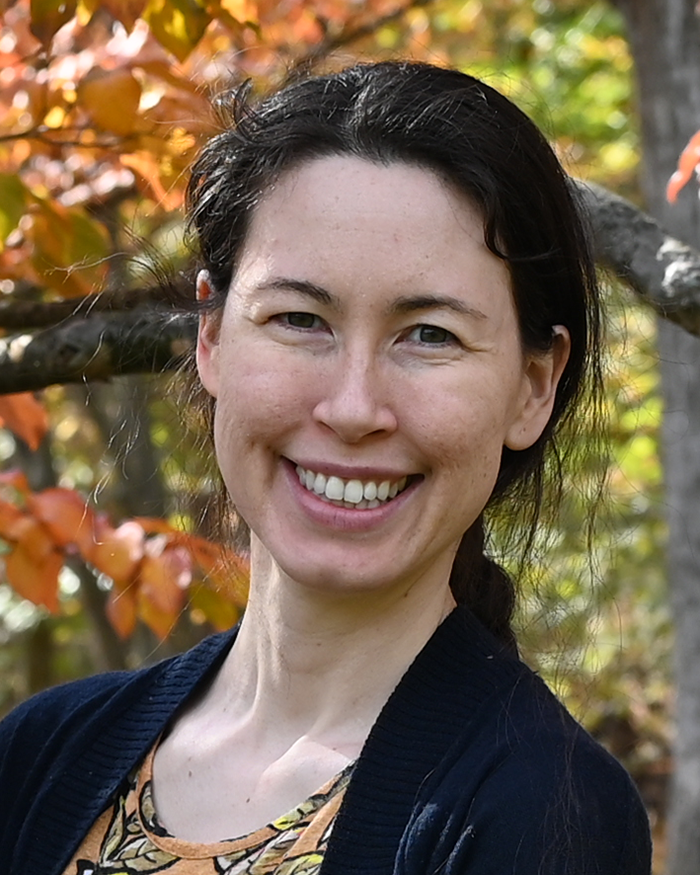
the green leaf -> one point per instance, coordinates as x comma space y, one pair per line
13, 200
178, 25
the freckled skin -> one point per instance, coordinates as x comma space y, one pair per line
355, 383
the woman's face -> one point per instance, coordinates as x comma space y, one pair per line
368, 348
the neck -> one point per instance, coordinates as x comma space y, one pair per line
325, 663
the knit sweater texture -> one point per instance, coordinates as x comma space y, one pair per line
472, 768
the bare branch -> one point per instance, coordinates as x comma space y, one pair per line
663, 271
101, 346
19, 314
60, 137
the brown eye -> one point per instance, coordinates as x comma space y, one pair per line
432, 334
301, 320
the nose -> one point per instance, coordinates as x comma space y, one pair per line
353, 403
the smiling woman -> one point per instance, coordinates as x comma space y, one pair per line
398, 312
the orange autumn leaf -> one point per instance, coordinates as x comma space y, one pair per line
13, 521
164, 578
66, 516
121, 611
164, 575
33, 566
160, 622
688, 161
223, 567
118, 552
147, 167
112, 98
25, 417
37, 541
160, 598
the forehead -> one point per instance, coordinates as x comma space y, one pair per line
344, 188
368, 227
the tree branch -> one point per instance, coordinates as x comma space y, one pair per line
97, 347
663, 271
27, 312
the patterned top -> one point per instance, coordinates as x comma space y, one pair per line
127, 838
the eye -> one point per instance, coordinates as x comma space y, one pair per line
303, 321
432, 335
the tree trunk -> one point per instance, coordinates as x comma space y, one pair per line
665, 41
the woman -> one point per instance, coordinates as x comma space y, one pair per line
398, 311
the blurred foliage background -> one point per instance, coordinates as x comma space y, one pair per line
102, 107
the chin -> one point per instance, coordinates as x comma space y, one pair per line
339, 577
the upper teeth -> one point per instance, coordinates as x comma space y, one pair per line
350, 491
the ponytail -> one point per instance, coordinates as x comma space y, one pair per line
483, 586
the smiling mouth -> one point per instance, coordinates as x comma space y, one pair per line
353, 494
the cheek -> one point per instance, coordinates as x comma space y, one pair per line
463, 427
256, 405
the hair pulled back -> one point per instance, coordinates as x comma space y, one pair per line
474, 137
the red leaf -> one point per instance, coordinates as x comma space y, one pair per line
121, 611
13, 521
66, 516
164, 579
118, 551
688, 161
159, 621
33, 566
24, 416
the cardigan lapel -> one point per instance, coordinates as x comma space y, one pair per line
458, 668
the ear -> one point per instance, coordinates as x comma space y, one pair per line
540, 380
208, 339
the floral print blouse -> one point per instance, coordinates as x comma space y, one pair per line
127, 838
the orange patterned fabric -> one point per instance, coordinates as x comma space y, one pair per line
128, 838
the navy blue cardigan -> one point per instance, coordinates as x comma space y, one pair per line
472, 768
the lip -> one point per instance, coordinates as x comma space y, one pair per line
350, 472
343, 519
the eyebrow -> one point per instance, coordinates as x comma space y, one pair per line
304, 287
405, 304
436, 302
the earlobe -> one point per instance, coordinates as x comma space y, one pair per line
207, 353
541, 378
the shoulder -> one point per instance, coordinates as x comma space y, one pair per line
73, 708
65, 751
49, 712
528, 789
42, 736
